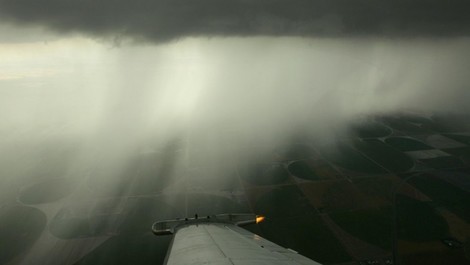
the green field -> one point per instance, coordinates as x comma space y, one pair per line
129, 249
370, 225
306, 234
19, 228
459, 137
348, 158
341, 196
417, 221
302, 169
406, 144
291, 222
384, 155
376, 187
444, 194
443, 162
463, 153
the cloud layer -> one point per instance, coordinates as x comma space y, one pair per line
163, 20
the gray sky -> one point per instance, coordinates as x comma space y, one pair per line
163, 20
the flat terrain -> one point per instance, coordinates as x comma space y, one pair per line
330, 201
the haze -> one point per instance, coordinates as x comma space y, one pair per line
222, 99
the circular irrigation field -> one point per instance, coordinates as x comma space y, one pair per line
348, 158
405, 144
304, 170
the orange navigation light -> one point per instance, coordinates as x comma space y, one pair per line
259, 219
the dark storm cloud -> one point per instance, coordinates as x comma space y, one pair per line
169, 19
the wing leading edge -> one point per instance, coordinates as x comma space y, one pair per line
219, 240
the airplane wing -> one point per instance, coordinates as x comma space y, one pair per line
220, 240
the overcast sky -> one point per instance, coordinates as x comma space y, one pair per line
163, 20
